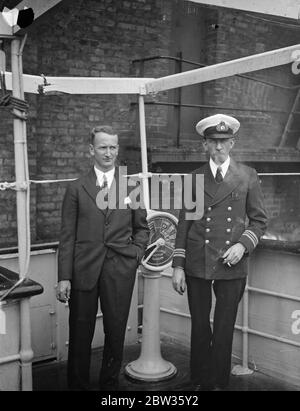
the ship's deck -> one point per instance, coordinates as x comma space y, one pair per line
51, 376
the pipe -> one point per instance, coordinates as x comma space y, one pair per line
194, 63
213, 107
9, 358
144, 151
269, 336
274, 294
239, 328
179, 313
26, 165
278, 174
245, 326
20, 145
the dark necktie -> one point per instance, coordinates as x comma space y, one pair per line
219, 177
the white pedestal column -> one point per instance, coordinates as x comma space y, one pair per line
150, 366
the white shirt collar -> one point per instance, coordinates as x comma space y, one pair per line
109, 175
224, 166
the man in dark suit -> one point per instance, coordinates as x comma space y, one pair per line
211, 251
102, 242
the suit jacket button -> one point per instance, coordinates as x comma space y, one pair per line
228, 219
228, 230
207, 230
209, 209
208, 219
206, 241
227, 242
229, 208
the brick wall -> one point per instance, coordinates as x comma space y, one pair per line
83, 38
232, 35
101, 38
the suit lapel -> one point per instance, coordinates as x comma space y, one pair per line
230, 182
91, 186
113, 197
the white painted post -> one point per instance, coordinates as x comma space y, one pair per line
143, 139
20, 144
150, 366
244, 369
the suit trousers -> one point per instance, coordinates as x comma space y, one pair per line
210, 360
114, 287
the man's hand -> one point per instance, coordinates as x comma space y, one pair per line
178, 280
63, 291
233, 255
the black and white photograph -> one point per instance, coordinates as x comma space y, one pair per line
149, 198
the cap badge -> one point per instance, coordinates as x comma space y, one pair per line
222, 126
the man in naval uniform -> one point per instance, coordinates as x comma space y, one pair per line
211, 252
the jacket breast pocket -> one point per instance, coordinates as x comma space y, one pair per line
238, 195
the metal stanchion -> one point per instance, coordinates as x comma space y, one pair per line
150, 366
20, 143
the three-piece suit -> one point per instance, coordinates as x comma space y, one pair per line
99, 252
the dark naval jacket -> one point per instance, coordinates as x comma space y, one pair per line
233, 212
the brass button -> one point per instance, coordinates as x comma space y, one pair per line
209, 209
207, 230
227, 242
229, 208
228, 219
208, 219
206, 241
228, 230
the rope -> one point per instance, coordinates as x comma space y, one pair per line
23, 186
63, 180
7, 186
148, 174
7, 100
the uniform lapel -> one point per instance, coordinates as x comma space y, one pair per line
231, 181
209, 181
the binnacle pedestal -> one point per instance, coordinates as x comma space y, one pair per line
150, 366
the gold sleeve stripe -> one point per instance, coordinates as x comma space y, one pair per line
179, 252
252, 236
